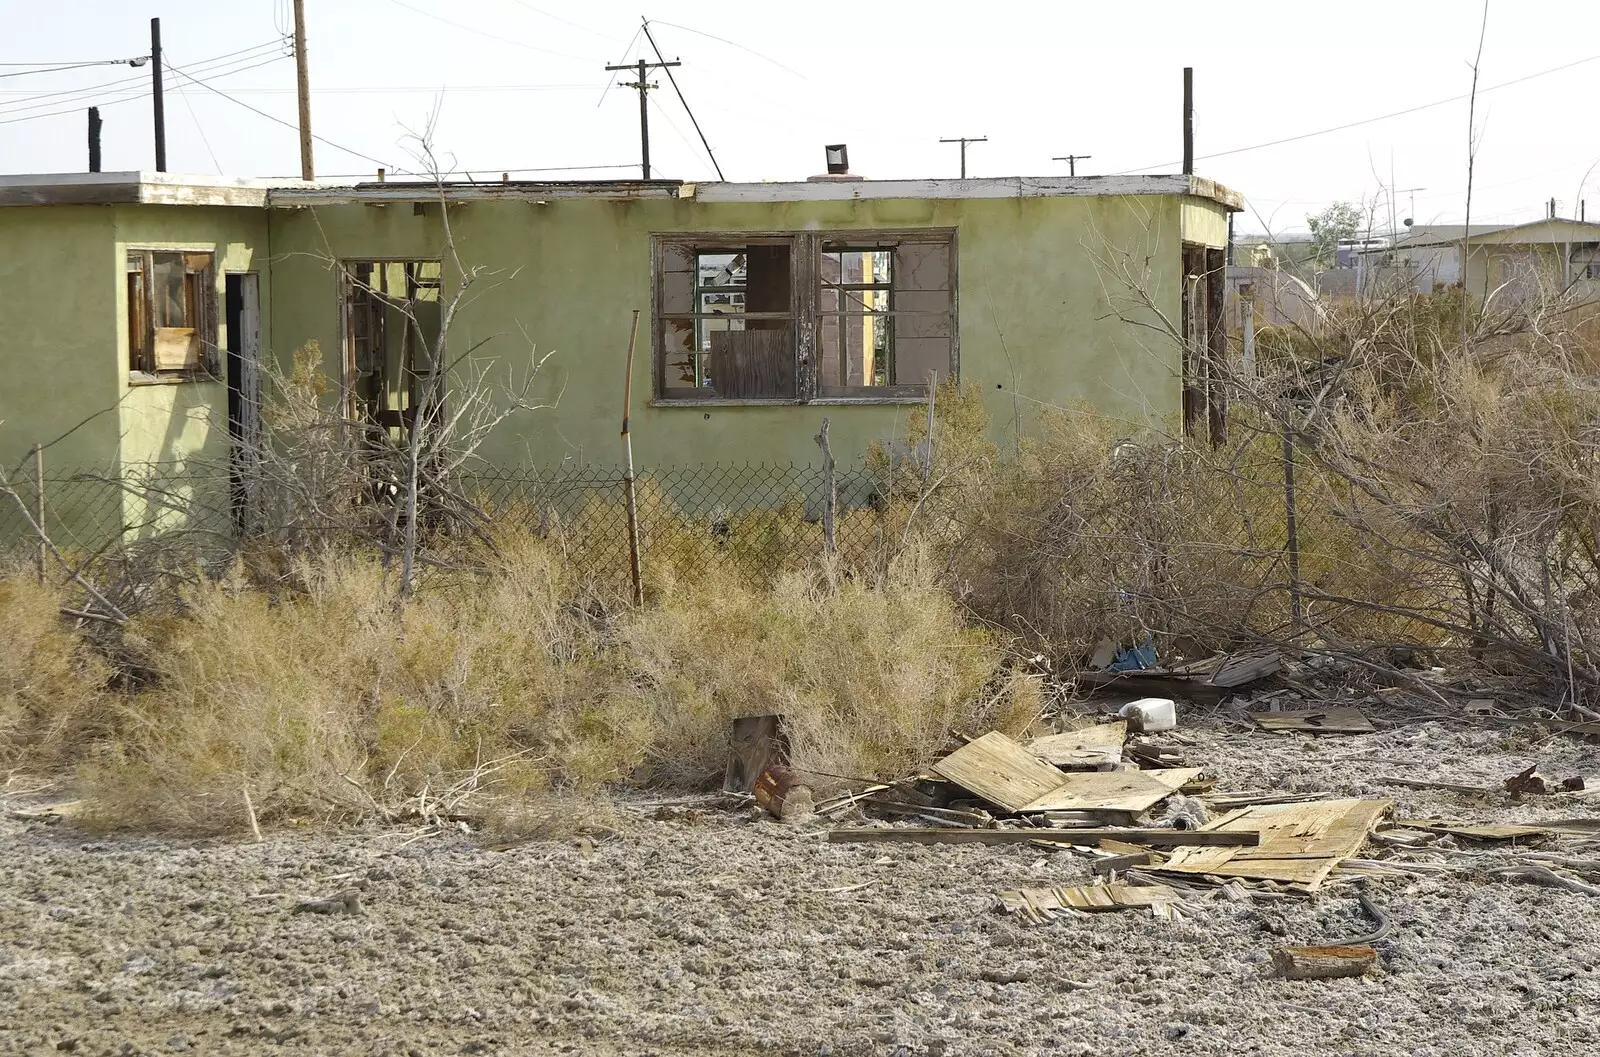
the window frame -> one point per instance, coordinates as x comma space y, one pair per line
805, 315
140, 349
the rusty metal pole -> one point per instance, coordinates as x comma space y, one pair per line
627, 468
38, 506
1291, 525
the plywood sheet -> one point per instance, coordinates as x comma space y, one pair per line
1037, 903
1300, 843
1001, 771
1326, 721
1088, 747
1130, 791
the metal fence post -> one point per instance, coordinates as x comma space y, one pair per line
1292, 528
830, 489
38, 507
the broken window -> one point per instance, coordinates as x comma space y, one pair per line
1586, 261
1205, 345
789, 317
392, 315
725, 327
171, 311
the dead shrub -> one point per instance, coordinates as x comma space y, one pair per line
53, 687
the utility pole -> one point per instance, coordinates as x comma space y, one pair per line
1188, 120
1072, 161
94, 139
302, 83
643, 86
964, 140
159, 104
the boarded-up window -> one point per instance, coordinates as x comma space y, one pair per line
725, 320
788, 317
172, 325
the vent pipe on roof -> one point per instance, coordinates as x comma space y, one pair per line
838, 155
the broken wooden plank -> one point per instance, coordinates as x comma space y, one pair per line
1421, 783
1325, 721
1474, 830
1324, 963
1001, 771
1038, 902
1246, 667
1300, 843
1127, 791
1087, 748
937, 814
1155, 837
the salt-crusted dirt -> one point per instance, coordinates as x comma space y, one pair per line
709, 932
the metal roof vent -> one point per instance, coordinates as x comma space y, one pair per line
838, 164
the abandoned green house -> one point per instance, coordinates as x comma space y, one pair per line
137, 309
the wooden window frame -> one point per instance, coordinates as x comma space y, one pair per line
805, 257
200, 310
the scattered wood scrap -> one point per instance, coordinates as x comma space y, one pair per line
1000, 771
1085, 749
1231, 838
1323, 963
1300, 843
1041, 904
1449, 787
1124, 791
1206, 682
1474, 830
1326, 721
1004, 773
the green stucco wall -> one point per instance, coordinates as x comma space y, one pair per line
63, 339
58, 328
1204, 222
1041, 281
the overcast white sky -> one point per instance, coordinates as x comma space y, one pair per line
518, 84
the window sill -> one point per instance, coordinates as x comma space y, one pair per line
136, 378
718, 401
821, 401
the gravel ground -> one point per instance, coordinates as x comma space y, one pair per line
689, 931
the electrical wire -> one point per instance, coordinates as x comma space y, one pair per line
645, 25
625, 59
129, 95
1363, 121
208, 66
566, 22
484, 33
734, 44
71, 66
189, 105
286, 124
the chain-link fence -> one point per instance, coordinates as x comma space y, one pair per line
760, 518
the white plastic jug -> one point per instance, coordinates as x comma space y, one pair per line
1150, 714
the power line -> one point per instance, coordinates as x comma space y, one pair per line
210, 65
566, 22
279, 120
735, 44
189, 105
645, 25
1371, 120
139, 61
129, 96
485, 33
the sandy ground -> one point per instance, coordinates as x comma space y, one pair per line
710, 932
